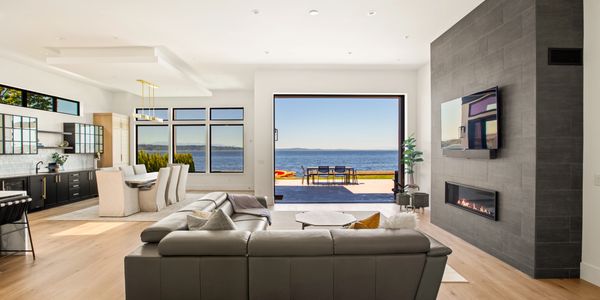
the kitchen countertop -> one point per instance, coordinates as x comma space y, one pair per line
32, 173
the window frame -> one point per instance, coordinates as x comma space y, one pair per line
226, 108
25, 102
174, 119
206, 141
243, 149
137, 126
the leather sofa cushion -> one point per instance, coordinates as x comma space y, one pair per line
157, 231
204, 205
204, 243
244, 217
290, 243
379, 241
217, 197
226, 207
251, 225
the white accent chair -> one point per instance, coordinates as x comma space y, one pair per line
172, 186
116, 199
127, 170
139, 169
153, 199
182, 184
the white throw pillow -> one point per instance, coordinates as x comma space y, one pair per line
401, 221
195, 222
219, 220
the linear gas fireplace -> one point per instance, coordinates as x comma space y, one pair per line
476, 200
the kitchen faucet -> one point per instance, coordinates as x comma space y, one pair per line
37, 166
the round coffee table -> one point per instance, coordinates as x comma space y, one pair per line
324, 218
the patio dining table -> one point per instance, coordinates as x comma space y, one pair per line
314, 171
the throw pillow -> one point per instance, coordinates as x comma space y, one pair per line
372, 222
195, 222
202, 214
401, 221
219, 220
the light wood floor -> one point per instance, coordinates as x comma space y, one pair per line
84, 260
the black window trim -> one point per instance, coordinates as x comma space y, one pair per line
137, 135
137, 109
190, 108
243, 150
227, 108
175, 145
24, 94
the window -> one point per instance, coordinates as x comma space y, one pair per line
67, 107
162, 113
25, 98
227, 148
11, 96
227, 114
152, 146
190, 146
39, 101
189, 114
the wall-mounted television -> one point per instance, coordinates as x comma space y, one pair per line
472, 122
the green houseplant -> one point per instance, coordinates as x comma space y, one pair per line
58, 160
410, 157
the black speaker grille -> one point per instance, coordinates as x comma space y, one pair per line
565, 56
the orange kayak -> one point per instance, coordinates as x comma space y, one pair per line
282, 173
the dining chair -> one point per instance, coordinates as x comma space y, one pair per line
172, 185
140, 169
323, 171
116, 199
182, 183
340, 171
153, 199
127, 170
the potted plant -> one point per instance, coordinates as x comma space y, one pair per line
58, 160
410, 157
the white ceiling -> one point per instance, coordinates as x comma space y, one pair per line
219, 44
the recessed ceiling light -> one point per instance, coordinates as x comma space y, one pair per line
267, 52
313, 12
371, 13
349, 52
255, 11
406, 37
60, 38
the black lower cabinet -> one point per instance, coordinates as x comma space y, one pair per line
49, 190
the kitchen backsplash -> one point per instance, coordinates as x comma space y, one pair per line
17, 164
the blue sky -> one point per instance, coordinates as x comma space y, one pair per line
332, 123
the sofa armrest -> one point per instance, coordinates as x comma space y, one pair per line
436, 248
263, 201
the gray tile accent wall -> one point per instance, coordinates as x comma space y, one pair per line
538, 169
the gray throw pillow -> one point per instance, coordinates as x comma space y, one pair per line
195, 222
219, 220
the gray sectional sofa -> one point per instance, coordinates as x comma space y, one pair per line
253, 263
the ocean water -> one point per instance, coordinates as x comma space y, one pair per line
361, 160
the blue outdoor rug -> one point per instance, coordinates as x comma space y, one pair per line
328, 194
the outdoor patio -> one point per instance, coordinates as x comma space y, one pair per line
366, 191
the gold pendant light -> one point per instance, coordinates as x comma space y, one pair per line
148, 113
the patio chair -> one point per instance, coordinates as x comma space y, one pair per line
323, 171
340, 171
307, 174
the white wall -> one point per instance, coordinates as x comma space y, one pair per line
243, 181
590, 265
91, 98
423, 133
270, 82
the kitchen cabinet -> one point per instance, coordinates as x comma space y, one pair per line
116, 136
18, 134
84, 138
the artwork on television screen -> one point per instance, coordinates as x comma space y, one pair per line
471, 122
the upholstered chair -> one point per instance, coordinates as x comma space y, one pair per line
172, 185
127, 170
139, 169
182, 184
153, 199
116, 199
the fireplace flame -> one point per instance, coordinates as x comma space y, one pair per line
465, 203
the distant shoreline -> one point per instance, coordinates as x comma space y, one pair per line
317, 149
